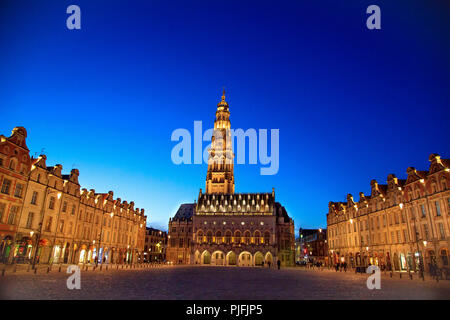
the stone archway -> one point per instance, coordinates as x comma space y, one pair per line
197, 257
218, 258
245, 259
259, 258
206, 257
231, 259
268, 258
396, 262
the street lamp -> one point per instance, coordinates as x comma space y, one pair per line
38, 238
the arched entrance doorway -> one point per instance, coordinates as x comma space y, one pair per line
197, 257
245, 259
268, 258
218, 258
231, 258
396, 262
66, 252
206, 257
259, 259
82, 258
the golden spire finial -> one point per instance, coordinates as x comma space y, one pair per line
223, 95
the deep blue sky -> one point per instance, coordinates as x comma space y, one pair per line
351, 104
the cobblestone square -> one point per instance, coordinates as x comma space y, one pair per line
198, 283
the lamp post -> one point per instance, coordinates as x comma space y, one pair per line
418, 250
38, 237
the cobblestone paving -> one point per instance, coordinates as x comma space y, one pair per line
196, 283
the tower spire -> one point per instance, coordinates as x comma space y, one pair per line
220, 176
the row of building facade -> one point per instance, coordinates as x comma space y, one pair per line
402, 226
46, 217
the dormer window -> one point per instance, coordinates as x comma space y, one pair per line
12, 164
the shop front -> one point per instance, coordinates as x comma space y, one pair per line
56, 254
82, 258
403, 262
23, 249
5, 248
44, 251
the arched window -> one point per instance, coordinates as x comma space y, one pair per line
218, 237
257, 236
228, 237
209, 237
267, 237
237, 237
247, 237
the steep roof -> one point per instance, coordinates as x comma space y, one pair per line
185, 211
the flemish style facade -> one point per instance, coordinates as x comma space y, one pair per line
228, 228
155, 245
402, 226
42, 208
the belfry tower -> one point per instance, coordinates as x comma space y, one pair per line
220, 175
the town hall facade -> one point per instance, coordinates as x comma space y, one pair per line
225, 228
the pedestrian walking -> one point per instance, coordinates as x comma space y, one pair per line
278, 264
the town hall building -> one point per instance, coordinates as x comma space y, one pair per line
225, 228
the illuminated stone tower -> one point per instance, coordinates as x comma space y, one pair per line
220, 176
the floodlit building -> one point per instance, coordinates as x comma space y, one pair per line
225, 228
42, 208
400, 226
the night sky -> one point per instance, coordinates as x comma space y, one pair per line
351, 104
